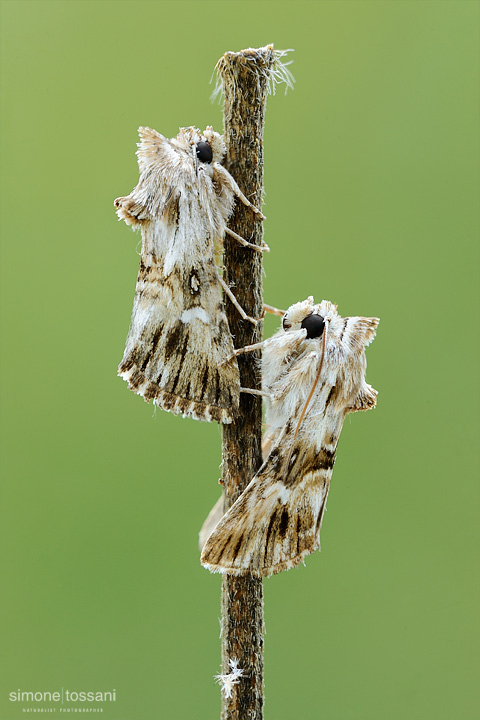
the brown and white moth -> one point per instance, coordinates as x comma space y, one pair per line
179, 341
313, 369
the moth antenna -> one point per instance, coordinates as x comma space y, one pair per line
307, 401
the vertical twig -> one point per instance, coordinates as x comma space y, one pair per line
245, 76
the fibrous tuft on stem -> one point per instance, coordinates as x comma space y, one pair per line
228, 680
265, 62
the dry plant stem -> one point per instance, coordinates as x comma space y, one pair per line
245, 77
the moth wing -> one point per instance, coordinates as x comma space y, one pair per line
210, 522
366, 399
275, 522
176, 351
216, 513
163, 170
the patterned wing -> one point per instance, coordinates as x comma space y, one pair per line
276, 521
178, 342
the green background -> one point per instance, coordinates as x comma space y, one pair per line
371, 172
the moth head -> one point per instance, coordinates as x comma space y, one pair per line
206, 148
204, 152
307, 316
211, 147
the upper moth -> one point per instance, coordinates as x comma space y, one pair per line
178, 344
313, 371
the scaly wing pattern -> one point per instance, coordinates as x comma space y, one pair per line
178, 343
276, 521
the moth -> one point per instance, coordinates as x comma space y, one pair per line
313, 372
179, 351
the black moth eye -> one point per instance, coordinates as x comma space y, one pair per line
204, 152
314, 325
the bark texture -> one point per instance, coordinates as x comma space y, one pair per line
245, 78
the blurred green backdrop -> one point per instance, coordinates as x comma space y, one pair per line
371, 173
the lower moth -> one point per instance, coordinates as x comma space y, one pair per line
313, 373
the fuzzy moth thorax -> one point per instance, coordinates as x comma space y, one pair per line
317, 348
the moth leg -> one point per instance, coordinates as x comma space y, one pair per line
247, 202
251, 391
228, 179
234, 300
246, 349
242, 241
273, 310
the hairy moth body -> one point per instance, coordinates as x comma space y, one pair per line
179, 340
313, 370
